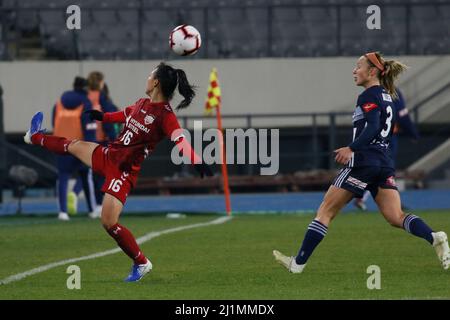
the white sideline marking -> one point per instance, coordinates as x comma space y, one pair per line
144, 238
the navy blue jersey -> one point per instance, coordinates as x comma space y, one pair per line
403, 124
373, 124
403, 120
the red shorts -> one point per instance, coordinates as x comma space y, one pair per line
118, 183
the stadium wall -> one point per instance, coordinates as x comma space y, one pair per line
249, 86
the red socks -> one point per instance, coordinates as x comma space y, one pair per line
127, 243
54, 144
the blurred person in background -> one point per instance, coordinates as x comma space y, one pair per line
69, 121
98, 95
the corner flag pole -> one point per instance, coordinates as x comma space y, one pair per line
223, 159
213, 101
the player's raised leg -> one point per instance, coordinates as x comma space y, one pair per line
81, 149
111, 210
389, 203
335, 199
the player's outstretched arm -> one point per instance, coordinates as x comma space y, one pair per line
173, 131
185, 147
371, 129
110, 117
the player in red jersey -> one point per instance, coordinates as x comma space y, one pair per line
147, 122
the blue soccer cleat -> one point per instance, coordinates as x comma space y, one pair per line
35, 127
138, 271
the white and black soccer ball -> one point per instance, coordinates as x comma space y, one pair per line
185, 40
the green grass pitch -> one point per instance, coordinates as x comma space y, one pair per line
227, 261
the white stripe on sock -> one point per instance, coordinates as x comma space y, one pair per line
317, 230
408, 221
319, 225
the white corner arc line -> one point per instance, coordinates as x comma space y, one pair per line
140, 240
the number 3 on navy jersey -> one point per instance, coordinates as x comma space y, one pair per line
385, 132
127, 137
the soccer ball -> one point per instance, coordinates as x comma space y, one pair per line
185, 40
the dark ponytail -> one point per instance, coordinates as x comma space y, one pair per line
185, 89
169, 78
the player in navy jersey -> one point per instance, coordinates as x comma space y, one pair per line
146, 123
368, 165
404, 123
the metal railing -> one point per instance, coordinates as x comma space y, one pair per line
416, 109
318, 124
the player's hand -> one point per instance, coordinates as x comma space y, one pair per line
203, 170
343, 155
94, 114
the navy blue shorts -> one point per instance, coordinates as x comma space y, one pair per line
357, 180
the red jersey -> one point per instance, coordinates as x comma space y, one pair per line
146, 124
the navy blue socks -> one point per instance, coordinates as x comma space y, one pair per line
416, 226
316, 232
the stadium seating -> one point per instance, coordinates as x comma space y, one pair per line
233, 28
